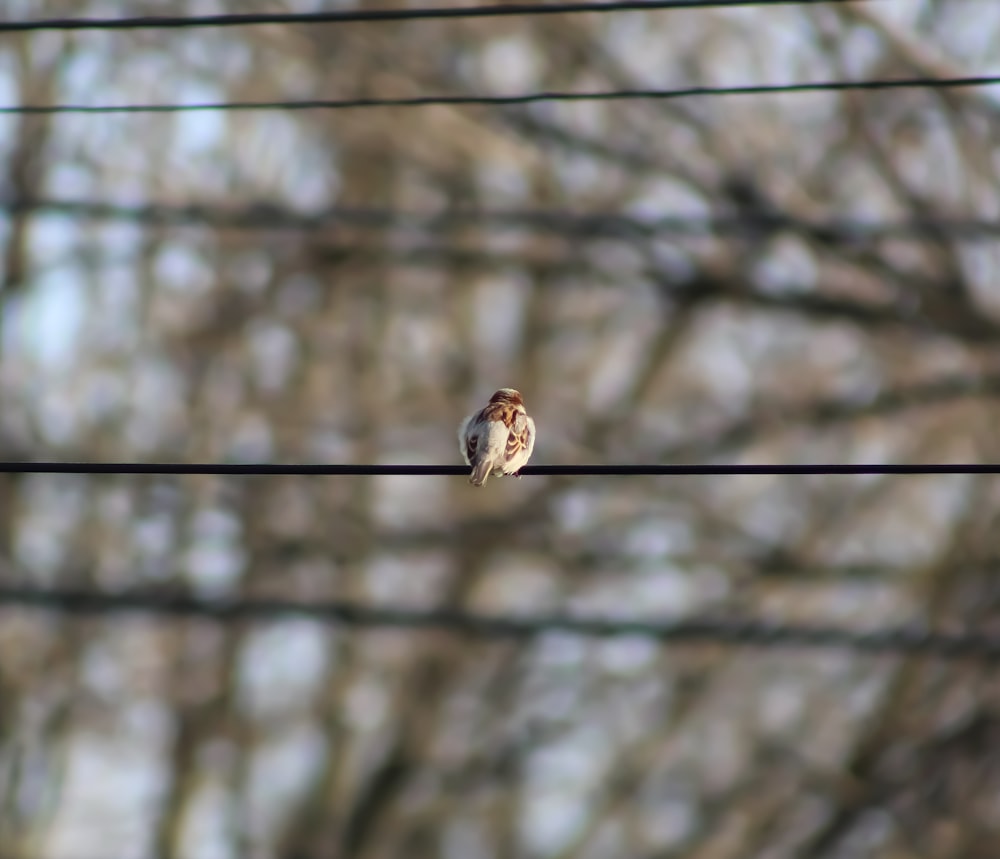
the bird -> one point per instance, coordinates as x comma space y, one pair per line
499, 438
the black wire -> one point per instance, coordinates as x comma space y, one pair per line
525, 98
348, 16
913, 640
267, 216
346, 470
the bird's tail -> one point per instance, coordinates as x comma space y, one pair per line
480, 471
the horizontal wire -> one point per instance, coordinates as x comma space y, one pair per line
903, 640
348, 16
524, 98
347, 470
266, 216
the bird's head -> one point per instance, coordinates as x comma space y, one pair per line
508, 395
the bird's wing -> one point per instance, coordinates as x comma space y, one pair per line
463, 438
521, 439
468, 436
529, 443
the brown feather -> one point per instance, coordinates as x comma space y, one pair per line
501, 411
507, 395
515, 444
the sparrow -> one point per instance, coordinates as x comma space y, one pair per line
499, 438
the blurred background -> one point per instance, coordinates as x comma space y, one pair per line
767, 278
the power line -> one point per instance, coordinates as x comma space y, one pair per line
349, 16
748, 632
357, 470
266, 216
524, 98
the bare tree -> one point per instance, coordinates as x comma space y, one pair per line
790, 339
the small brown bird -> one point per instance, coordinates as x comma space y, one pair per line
499, 438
